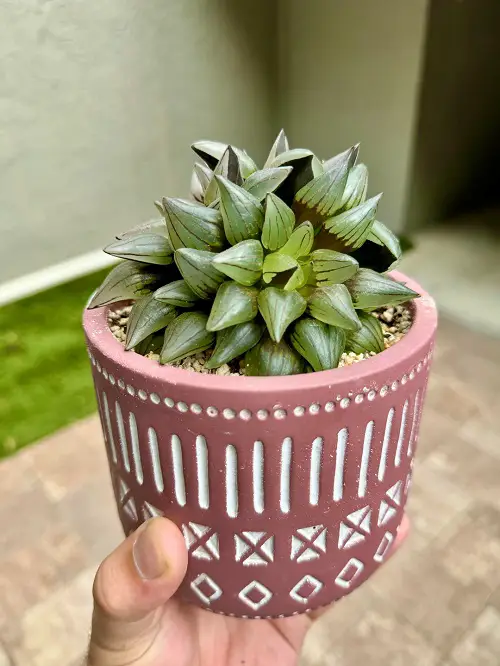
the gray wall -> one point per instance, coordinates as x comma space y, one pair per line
456, 166
99, 101
351, 72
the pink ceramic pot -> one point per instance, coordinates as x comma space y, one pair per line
289, 490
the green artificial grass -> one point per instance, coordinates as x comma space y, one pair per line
45, 380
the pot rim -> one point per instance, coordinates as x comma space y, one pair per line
424, 324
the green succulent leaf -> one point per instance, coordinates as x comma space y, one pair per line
300, 277
381, 251
186, 335
235, 341
193, 225
353, 227
277, 263
233, 304
356, 187
320, 344
155, 226
197, 269
200, 179
241, 262
148, 248
147, 317
279, 308
280, 145
211, 152
177, 293
303, 163
269, 358
300, 242
242, 213
370, 290
332, 267
369, 338
333, 305
264, 181
352, 153
322, 196
152, 344
227, 167
127, 281
279, 222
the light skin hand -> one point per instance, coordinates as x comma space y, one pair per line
138, 621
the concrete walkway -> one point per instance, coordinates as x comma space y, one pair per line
436, 603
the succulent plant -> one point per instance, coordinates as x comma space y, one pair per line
279, 266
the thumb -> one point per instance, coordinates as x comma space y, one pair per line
130, 589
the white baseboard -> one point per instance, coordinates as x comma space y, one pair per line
30, 284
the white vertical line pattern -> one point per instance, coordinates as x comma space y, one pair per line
385, 444
365, 459
202, 471
178, 467
231, 481
286, 465
136, 452
258, 476
338, 481
315, 471
109, 429
155, 460
414, 423
397, 457
122, 436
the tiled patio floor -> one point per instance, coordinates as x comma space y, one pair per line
436, 603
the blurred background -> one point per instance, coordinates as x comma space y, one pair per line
99, 102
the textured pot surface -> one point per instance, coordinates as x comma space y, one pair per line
289, 490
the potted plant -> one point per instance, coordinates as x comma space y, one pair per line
260, 378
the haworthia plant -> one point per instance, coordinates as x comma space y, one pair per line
277, 267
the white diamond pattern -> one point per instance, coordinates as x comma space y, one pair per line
255, 586
349, 573
204, 579
306, 581
383, 547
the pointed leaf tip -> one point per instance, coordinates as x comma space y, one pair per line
193, 225
234, 342
353, 226
268, 358
320, 344
197, 269
186, 335
370, 290
279, 308
146, 317
279, 222
233, 304
148, 248
242, 213
333, 305
369, 338
241, 262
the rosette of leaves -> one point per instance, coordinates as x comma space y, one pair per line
278, 267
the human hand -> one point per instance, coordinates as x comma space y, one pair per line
137, 619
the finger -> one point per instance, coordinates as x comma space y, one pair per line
130, 589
